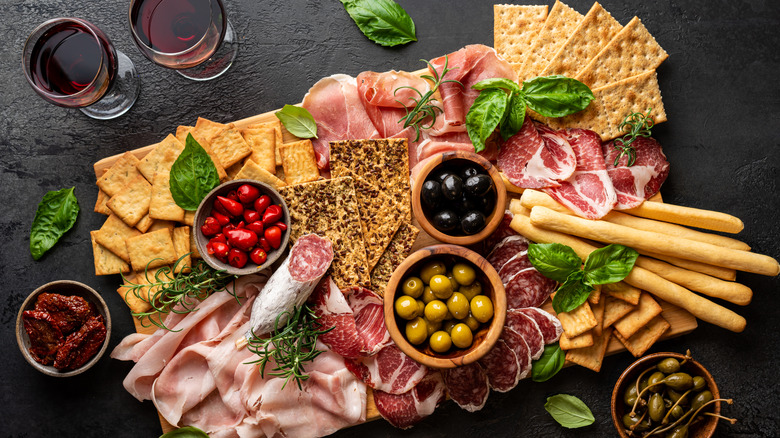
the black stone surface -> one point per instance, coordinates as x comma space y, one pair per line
721, 95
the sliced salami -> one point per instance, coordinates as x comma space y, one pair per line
368, 310
526, 327
332, 308
503, 231
407, 409
522, 353
549, 325
506, 249
501, 367
513, 267
390, 370
467, 386
528, 288
310, 257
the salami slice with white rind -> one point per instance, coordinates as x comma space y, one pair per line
518, 345
529, 288
501, 367
506, 249
503, 231
526, 327
549, 325
467, 386
516, 264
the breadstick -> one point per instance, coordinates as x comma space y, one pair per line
641, 278
713, 271
649, 241
693, 217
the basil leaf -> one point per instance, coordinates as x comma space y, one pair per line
549, 364
504, 83
193, 175
56, 214
553, 260
298, 121
515, 116
185, 432
571, 294
485, 115
382, 21
569, 411
609, 264
556, 96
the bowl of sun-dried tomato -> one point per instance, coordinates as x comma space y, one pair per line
63, 328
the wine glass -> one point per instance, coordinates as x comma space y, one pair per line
194, 37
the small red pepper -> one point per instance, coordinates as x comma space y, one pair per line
219, 238
210, 227
258, 256
232, 195
274, 237
218, 249
242, 239
247, 193
263, 243
251, 216
256, 226
217, 206
282, 226
228, 227
237, 258
221, 218
262, 203
233, 208
272, 214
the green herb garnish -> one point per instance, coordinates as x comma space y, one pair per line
298, 121
56, 214
636, 125
569, 411
193, 175
185, 432
549, 364
382, 21
289, 346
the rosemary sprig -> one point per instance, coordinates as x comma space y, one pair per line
167, 291
635, 125
424, 109
290, 346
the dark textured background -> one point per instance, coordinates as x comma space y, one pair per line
721, 95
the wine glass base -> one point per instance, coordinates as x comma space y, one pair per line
122, 94
219, 62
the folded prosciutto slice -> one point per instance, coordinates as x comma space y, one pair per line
385, 96
643, 179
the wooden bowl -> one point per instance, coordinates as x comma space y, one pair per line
67, 288
703, 429
458, 157
204, 211
484, 339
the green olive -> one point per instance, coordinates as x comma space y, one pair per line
629, 396
461, 336
669, 365
447, 326
471, 290
699, 383
434, 267
655, 407
679, 381
482, 308
464, 273
458, 305
420, 308
435, 311
432, 327
700, 399
655, 381
441, 286
406, 307
677, 412
413, 287
678, 432
428, 295
471, 322
416, 331
455, 284
440, 341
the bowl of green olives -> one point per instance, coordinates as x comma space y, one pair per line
459, 197
445, 306
666, 395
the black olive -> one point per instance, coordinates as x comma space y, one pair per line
445, 220
472, 222
431, 194
478, 185
486, 203
466, 203
469, 171
440, 175
452, 187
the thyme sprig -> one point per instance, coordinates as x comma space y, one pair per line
290, 346
424, 109
635, 125
167, 290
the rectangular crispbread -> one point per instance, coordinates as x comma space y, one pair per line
614, 309
161, 204
397, 250
515, 27
299, 162
229, 146
622, 291
647, 309
560, 24
271, 134
581, 341
578, 321
379, 218
151, 250
113, 235
131, 203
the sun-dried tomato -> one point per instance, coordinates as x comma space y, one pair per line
45, 336
68, 313
79, 347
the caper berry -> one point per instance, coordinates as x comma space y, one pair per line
674, 396
699, 383
655, 407
629, 397
700, 399
669, 365
677, 412
679, 381
654, 382
629, 421
678, 432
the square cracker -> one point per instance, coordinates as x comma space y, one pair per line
151, 250
189, 217
161, 205
581, 341
163, 225
557, 29
595, 30
578, 321
144, 224
647, 309
161, 158
181, 245
622, 291
591, 357
113, 235
379, 217
614, 309
106, 262
595, 295
252, 170
299, 162
631, 52
229, 146
131, 203
643, 339
329, 208
181, 135
265, 140
515, 27
194, 246
135, 303
598, 313
397, 250
100, 203
119, 175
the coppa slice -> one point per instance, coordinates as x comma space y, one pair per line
468, 386
390, 370
368, 311
407, 409
332, 308
634, 184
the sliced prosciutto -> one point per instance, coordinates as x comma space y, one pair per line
368, 311
643, 179
588, 192
526, 327
549, 325
407, 409
335, 105
467, 386
386, 97
331, 306
532, 159
390, 370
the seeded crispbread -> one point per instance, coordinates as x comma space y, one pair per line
161, 158
595, 30
631, 52
397, 250
385, 161
515, 27
119, 175
643, 339
329, 208
560, 24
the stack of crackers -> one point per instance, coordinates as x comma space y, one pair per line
617, 62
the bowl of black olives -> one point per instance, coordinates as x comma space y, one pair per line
459, 197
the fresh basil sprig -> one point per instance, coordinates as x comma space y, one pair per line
549, 364
193, 175
569, 411
609, 264
185, 432
550, 96
382, 21
56, 214
298, 121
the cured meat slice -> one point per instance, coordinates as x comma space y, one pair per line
513, 267
368, 311
467, 386
390, 370
642, 180
533, 160
336, 107
407, 409
501, 367
588, 192
385, 97
549, 325
502, 232
526, 327
331, 306
522, 353
506, 249
528, 288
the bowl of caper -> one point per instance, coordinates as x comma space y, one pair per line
666, 395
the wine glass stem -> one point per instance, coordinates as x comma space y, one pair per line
122, 94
